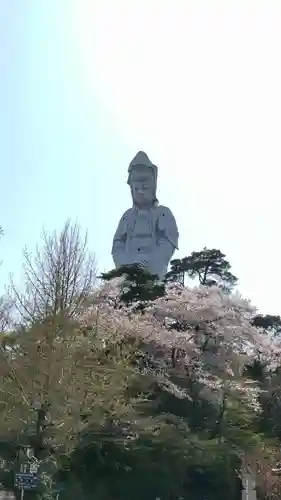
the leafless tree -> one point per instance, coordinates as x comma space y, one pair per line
1, 234
58, 278
5, 306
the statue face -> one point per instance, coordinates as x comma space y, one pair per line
142, 187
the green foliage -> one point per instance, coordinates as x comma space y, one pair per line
139, 285
170, 465
270, 400
178, 270
268, 322
99, 416
208, 265
257, 370
178, 458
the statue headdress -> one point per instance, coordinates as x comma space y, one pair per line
141, 160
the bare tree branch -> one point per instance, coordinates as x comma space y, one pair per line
58, 277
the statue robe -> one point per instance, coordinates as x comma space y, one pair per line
146, 235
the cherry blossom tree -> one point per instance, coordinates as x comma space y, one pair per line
196, 346
199, 331
102, 373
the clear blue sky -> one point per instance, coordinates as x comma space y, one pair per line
59, 150
86, 84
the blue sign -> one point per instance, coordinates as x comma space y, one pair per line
26, 481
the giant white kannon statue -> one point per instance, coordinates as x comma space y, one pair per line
147, 233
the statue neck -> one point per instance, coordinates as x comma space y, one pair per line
146, 207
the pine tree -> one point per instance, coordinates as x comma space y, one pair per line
139, 285
209, 266
268, 322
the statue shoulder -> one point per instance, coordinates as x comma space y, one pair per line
123, 224
126, 215
166, 223
164, 211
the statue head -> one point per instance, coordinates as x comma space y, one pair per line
142, 180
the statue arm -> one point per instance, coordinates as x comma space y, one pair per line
119, 243
167, 227
167, 241
118, 250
